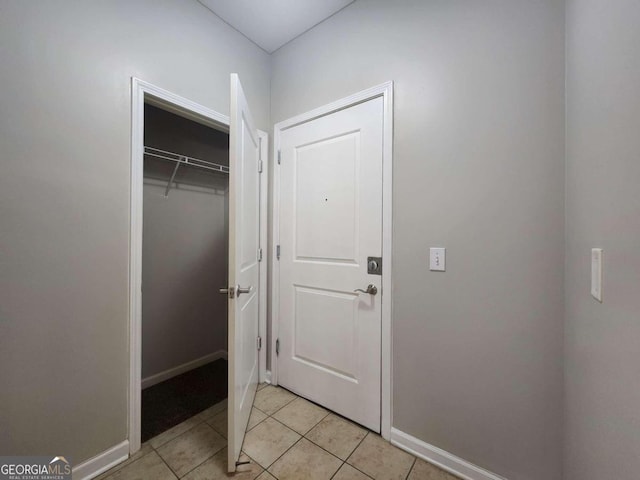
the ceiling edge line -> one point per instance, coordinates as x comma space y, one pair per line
234, 28
312, 27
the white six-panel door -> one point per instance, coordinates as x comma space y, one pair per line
330, 222
244, 268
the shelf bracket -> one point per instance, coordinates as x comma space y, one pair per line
173, 175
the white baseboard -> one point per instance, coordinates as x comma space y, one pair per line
101, 462
267, 376
185, 367
441, 458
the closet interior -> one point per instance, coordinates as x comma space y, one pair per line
184, 263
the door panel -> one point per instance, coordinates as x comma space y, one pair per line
330, 222
326, 193
319, 314
244, 268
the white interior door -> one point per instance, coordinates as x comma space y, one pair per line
244, 268
330, 223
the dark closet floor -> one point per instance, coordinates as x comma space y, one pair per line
175, 400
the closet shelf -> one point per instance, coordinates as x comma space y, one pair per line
183, 160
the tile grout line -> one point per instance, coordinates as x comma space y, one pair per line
242, 452
295, 397
358, 470
168, 466
272, 416
280, 408
333, 454
160, 456
318, 422
309, 440
200, 422
336, 472
357, 446
315, 444
303, 434
199, 464
283, 454
352, 452
196, 415
367, 432
253, 406
266, 416
118, 468
266, 469
415, 459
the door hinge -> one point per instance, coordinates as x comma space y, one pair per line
279, 156
278, 252
259, 254
259, 343
259, 166
278, 346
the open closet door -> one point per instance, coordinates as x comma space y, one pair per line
244, 267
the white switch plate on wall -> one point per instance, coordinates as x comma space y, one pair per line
596, 273
437, 259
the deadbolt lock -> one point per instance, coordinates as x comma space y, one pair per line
374, 265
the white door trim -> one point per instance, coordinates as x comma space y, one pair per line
264, 242
385, 91
142, 92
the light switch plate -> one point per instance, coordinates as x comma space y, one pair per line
596, 273
437, 257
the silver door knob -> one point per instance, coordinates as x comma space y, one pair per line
242, 290
371, 289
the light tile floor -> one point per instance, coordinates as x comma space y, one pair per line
288, 438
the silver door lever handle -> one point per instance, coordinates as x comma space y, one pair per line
371, 289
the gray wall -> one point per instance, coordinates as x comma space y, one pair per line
64, 198
478, 168
602, 341
185, 246
479, 142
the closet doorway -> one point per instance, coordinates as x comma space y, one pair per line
184, 262
198, 229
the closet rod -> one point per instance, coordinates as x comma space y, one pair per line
185, 160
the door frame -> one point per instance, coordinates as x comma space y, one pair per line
144, 92
384, 90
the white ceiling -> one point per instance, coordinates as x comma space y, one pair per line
272, 23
